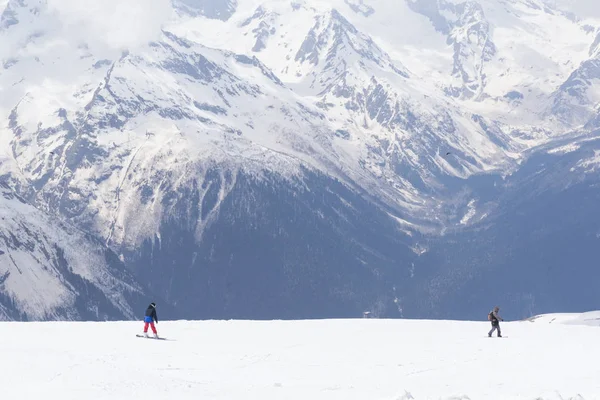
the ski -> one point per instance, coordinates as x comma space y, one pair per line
150, 337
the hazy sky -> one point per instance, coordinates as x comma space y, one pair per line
117, 23
583, 8
121, 24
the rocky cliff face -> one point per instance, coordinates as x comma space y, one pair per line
50, 270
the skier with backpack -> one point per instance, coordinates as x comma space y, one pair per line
495, 319
149, 319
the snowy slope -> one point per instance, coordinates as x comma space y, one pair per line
324, 359
591, 318
50, 270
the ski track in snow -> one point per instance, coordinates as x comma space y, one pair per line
542, 359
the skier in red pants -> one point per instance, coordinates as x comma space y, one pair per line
149, 319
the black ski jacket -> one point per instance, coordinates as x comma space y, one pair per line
151, 312
495, 317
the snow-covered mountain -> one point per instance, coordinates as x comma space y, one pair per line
298, 158
49, 270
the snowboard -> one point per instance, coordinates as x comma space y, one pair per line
150, 337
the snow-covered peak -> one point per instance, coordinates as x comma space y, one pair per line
397, 95
333, 47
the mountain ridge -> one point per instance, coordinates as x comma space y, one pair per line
154, 146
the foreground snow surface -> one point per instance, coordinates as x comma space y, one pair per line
551, 357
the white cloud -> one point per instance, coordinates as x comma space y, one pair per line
581, 8
118, 24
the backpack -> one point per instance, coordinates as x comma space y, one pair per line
491, 316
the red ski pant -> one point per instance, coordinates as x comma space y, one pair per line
151, 326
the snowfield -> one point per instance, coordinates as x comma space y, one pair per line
550, 357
